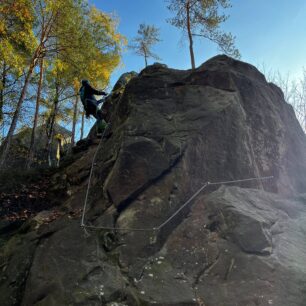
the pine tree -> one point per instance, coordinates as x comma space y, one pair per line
148, 36
203, 18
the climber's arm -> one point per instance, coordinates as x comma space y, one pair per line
98, 92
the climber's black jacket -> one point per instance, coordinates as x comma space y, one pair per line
90, 103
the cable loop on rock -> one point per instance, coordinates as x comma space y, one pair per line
159, 227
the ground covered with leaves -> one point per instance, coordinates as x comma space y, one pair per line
25, 193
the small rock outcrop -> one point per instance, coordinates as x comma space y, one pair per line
19, 151
171, 131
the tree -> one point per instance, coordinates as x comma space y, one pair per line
95, 62
294, 90
75, 113
75, 39
48, 13
202, 18
35, 120
16, 45
294, 93
82, 125
299, 101
148, 36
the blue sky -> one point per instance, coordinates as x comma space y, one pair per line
267, 31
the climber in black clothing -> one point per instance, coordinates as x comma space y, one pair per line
89, 101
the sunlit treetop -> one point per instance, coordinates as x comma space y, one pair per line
84, 43
17, 38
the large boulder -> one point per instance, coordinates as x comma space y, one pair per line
171, 131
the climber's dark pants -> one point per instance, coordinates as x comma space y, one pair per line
92, 109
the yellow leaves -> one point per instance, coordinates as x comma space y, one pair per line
106, 25
10, 57
54, 5
16, 32
99, 69
99, 17
59, 66
18, 10
120, 39
21, 9
96, 51
76, 84
58, 136
2, 28
83, 42
102, 73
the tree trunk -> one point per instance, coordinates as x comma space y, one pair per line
305, 117
2, 91
13, 125
74, 121
32, 144
52, 122
82, 126
146, 61
144, 50
190, 35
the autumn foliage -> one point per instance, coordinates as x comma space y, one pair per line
46, 48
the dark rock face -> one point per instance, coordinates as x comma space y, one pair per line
237, 247
229, 119
135, 161
112, 99
172, 131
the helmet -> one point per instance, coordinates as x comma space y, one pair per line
85, 82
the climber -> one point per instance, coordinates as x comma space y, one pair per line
90, 103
